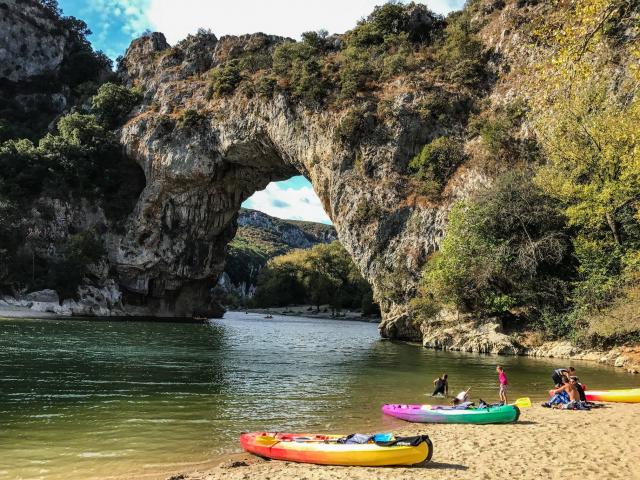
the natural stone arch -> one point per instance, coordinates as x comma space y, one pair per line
204, 156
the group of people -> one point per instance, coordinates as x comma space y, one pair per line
568, 392
441, 385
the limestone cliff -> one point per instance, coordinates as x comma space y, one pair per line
46, 66
220, 118
204, 154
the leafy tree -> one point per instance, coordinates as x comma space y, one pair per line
594, 157
324, 274
506, 248
585, 109
113, 102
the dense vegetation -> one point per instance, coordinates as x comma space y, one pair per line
557, 245
81, 72
81, 160
257, 242
395, 40
324, 274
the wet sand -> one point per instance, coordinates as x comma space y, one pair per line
550, 444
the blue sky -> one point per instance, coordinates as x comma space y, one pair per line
115, 23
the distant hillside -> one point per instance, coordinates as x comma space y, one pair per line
261, 237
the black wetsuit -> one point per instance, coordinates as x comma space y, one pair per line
557, 376
583, 397
440, 387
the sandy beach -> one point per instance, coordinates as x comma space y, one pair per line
601, 443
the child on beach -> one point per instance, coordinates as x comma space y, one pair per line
502, 378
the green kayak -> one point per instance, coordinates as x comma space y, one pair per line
442, 414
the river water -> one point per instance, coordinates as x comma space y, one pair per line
107, 399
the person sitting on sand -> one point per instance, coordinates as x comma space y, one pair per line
560, 373
502, 378
559, 396
569, 387
579, 388
442, 386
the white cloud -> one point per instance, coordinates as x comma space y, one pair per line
279, 17
113, 18
282, 202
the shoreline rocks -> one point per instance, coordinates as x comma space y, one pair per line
466, 334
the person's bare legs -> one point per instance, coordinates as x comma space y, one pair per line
503, 394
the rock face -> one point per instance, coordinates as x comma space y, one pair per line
31, 42
293, 234
450, 331
199, 172
40, 55
203, 155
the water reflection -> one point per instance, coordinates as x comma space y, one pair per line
86, 399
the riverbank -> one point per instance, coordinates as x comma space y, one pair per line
543, 444
309, 311
10, 311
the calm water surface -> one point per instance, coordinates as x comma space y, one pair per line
96, 399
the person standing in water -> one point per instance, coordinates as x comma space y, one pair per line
502, 378
441, 386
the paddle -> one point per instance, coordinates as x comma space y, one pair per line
266, 440
523, 402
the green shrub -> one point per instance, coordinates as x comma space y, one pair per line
266, 86
460, 55
191, 119
298, 64
113, 102
366, 211
436, 162
504, 249
355, 126
394, 18
356, 70
225, 78
441, 109
316, 40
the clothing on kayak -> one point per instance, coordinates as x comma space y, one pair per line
461, 397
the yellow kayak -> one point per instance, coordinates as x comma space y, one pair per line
325, 450
630, 395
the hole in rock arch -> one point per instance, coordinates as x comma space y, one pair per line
292, 199
283, 217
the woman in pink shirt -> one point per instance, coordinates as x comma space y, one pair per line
502, 377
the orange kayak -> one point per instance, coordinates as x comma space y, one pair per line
630, 395
325, 450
